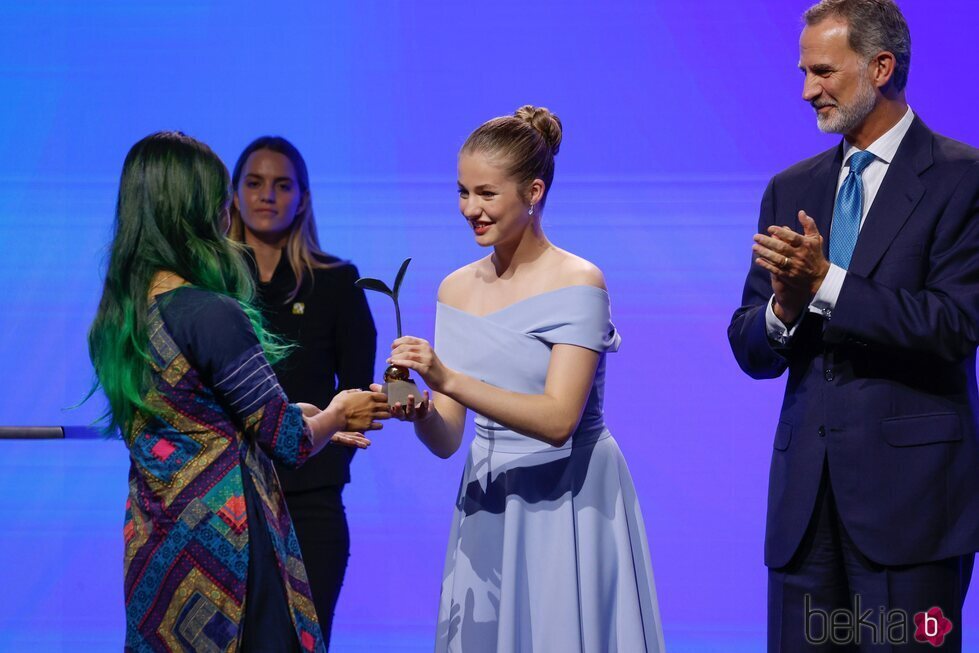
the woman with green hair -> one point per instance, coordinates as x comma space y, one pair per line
211, 559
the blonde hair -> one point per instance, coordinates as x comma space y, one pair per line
303, 244
525, 143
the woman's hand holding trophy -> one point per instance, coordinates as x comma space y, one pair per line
407, 353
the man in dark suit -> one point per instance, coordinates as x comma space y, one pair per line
873, 510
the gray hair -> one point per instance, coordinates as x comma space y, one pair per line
875, 26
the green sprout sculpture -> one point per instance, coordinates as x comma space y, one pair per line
397, 382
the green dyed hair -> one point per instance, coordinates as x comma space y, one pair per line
171, 214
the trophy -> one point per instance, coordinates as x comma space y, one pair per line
397, 384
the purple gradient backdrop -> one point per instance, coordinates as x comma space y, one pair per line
675, 116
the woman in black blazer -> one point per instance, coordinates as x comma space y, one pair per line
308, 297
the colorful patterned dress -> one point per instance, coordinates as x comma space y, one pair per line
197, 466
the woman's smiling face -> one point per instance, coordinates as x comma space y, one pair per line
491, 201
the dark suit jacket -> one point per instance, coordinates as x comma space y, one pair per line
335, 344
885, 389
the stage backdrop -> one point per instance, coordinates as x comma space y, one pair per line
675, 115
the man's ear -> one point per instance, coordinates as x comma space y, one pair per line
882, 68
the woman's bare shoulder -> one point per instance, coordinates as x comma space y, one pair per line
458, 285
574, 270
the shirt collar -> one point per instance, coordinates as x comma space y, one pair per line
885, 147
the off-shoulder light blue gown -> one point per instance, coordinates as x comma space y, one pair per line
548, 550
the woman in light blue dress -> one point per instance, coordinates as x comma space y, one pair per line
548, 550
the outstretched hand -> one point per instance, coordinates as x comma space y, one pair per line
350, 439
342, 438
796, 264
410, 411
361, 409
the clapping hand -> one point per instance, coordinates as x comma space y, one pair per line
796, 263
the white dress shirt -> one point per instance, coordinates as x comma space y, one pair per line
884, 149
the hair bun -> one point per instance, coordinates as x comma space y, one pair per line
545, 122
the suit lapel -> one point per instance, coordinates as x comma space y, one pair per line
899, 193
820, 195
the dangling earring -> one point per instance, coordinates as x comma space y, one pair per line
531, 211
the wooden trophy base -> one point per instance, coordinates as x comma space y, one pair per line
399, 391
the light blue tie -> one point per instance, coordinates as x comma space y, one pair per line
849, 209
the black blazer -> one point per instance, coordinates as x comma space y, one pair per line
885, 389
336, 342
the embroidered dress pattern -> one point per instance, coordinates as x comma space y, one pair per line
186, 525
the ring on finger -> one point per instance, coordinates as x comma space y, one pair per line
785, 261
